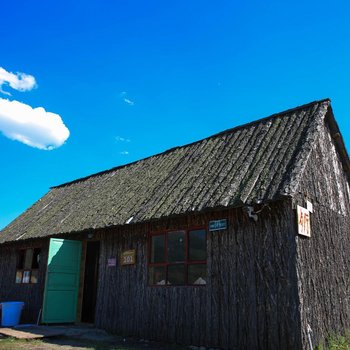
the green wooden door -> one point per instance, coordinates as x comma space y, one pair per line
62, 281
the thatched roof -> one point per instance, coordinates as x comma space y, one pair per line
258, 162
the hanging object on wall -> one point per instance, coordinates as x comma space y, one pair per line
309, 206
111, 262
128, 257
251, 213
303, 216
217, 225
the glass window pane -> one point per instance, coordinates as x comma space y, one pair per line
156, 275
158, 249
176, 246
36, 258
34, 276
19, 276
197, 241
26, 277
197, 274
176, 274
20, 261
28, 259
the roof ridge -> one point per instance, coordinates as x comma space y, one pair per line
227, 131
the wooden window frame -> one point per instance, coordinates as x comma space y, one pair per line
22, 270
187, 262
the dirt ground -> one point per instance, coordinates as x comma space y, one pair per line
64, 343
84, 339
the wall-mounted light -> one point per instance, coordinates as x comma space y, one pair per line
90, 235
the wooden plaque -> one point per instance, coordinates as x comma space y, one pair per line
128, 257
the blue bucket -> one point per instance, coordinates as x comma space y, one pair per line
11, 313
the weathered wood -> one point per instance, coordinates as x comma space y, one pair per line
260, 160
251, 286
30, 294
32, 332
324, 259
249, 302
265, 284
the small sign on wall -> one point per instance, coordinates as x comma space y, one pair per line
309, 206
217, 225
304, 227
112, 262
128, 257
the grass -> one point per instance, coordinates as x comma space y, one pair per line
14, 344
62, 343
68, 343
336, 342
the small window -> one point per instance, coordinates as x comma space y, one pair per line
178, 258
197, 274
36, 258
157, 275
176, 246
176, 275
158, 249
197, 245
20, 259
28, 261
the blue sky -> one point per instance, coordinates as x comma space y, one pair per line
133, 78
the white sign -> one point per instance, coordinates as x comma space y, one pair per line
304, 227
309, 206
112, 262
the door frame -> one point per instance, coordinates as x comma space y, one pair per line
47, 288
83, 277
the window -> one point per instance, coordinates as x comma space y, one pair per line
28, 261
178, 258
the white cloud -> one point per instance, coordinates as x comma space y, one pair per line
129, 102
122, 139
124, 153
17, 81
126, 99
34, 127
